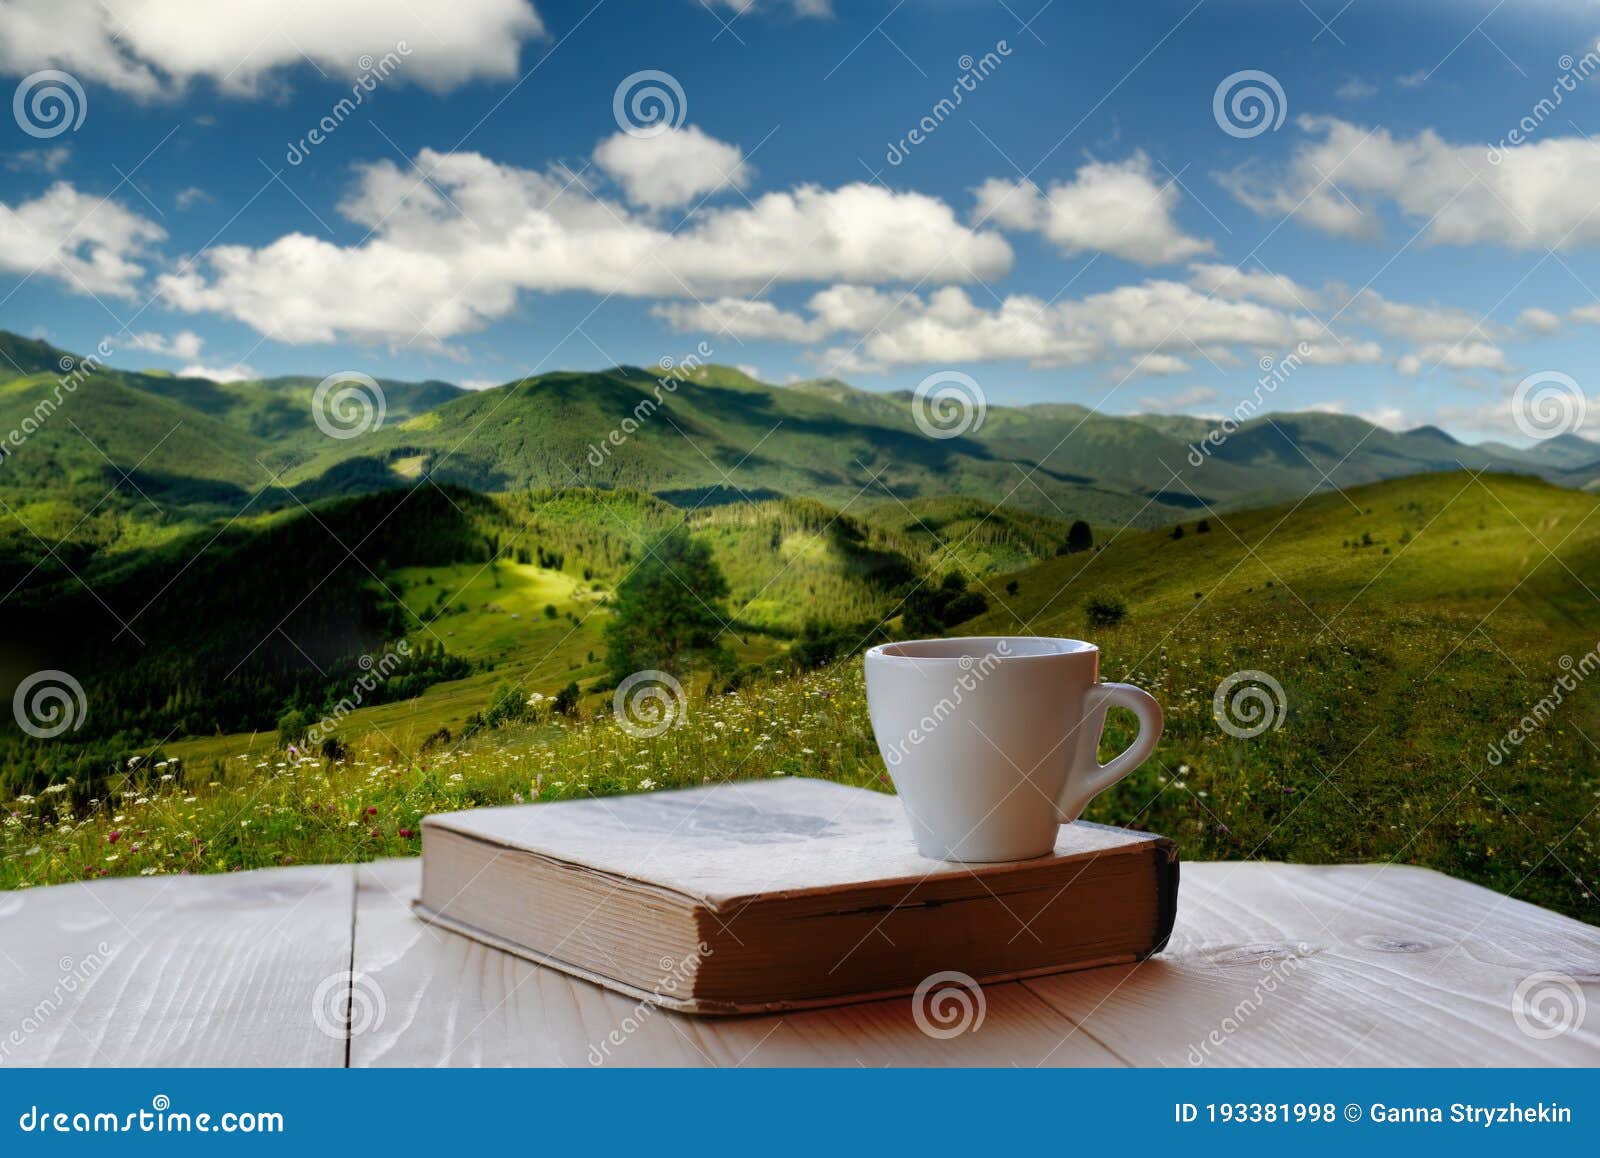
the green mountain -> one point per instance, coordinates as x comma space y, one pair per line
710, 436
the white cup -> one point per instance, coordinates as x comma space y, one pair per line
991, 741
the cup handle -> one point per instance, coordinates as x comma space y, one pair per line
1082, 789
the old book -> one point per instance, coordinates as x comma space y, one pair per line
781, 894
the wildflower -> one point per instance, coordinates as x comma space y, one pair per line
407, 833
647, 784
114, 835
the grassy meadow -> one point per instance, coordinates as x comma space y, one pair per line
1410, 624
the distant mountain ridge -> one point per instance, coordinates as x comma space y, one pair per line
708, 434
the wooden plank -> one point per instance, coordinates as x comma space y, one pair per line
178, 971
1356, 965
450, 1001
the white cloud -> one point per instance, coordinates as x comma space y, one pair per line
1539, 321
1356, 89
190, 196
1535, 196
671, 168
814, 9
448, 255
1159, 321
151, 48
47, 161
743, 319
1120, 208
81, 240
1455, 356
238, 372
1422, 323
1155, 365
185, 344
1589, 314
1272, 288
1179, 400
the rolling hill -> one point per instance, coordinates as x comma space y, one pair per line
712, 436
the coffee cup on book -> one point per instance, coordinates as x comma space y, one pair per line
992, 740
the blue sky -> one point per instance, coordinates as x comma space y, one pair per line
1080, 227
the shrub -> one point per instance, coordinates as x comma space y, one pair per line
1105, 610
292, 727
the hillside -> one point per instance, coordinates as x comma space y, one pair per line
199, 450
1409, 632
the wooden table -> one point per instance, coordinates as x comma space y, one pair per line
1269, 965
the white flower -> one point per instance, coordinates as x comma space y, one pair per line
647, 784
54, 788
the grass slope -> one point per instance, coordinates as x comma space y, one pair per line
1399, 670
1411, 625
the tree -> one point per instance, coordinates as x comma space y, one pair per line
1105, 610
669, 612
1203, 527
566, 702
1177, 531
1079, 537
293, 726
930, 610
